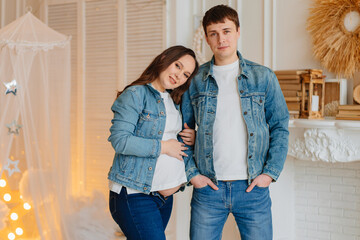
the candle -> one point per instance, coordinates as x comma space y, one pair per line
315, 103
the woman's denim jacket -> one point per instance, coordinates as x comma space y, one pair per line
263, 108
136, 133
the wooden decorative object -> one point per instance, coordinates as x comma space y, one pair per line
356, 94
290, 83
313, 96
335, 31
332, 91
336, 90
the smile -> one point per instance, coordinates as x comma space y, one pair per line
172, 80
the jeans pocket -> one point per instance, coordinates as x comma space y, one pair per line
202, 188
262, 188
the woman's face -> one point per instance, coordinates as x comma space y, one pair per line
176, 74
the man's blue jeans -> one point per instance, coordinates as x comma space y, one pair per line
210, 209
141, 216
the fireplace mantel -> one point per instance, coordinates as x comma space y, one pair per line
324, 140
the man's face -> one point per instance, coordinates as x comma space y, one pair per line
222, 39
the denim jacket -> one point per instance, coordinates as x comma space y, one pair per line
136, 133
263, 108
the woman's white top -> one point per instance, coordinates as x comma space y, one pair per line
169, 171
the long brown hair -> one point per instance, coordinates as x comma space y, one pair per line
160, 63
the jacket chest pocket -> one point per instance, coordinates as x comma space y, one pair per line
258, 108
147, 124
198, 104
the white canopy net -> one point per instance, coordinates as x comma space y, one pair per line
35, 120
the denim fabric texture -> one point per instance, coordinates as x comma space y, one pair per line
264, 111
136, 132
141, 216
210, 209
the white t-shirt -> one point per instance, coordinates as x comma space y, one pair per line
230, 133
169, 171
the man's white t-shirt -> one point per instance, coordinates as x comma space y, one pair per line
230, 133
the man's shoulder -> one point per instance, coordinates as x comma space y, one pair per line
253, 66
203, 71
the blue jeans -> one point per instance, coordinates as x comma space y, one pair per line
141, 216
210, 209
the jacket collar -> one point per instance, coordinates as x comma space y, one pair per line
242, 65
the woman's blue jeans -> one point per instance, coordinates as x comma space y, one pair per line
141, 216
210, 209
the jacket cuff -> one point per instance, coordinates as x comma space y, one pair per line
156, 148
190, 173
272, 173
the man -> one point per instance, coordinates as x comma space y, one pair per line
242, 135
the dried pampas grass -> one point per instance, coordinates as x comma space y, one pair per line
337, 49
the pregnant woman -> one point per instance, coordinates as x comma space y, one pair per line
148, 167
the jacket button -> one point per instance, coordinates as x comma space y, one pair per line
251, 134
260, 101
241, 91
145, 188
150, 168
159, 101
250, 156
162, 113
160, 132
245, 113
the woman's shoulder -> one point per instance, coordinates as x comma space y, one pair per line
138, 91
136, 88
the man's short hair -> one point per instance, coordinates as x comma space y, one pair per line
218, 14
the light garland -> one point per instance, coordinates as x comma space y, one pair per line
197, 44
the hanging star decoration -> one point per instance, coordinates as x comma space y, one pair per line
12, 166
13, 127
11, 87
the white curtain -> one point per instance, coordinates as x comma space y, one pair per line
38, 59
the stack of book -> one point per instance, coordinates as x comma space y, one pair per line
290, 83
313, 74
348, 112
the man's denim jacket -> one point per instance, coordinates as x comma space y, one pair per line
263, 108
136, 132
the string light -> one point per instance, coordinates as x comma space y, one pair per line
7, 197
14, 216
27, 206
2, 183
19, 231
11, 236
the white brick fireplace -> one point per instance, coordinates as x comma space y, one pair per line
319, 197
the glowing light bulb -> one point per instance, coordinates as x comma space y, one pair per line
7, 197
19, 231
11, 236
14, 216
2, 183
27, 206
